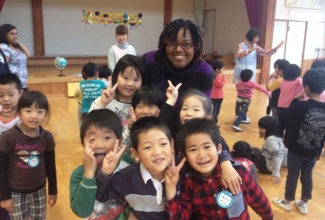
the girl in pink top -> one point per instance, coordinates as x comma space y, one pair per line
290, 87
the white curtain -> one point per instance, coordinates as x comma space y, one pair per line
199, 13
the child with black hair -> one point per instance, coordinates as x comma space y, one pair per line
244, 95
319, 64
91, 87
304, 138
202, 195
217, 89
100, 133
290, 87
274, 83
242, 152
104, 72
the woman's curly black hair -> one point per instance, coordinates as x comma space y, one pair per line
169, 34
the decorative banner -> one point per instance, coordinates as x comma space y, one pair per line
99, 17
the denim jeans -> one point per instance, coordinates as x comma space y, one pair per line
242, 105
216, 108
303, 166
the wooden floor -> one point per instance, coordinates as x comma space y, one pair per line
64, 126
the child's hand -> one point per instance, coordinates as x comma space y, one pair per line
172, 93
230, 178
8, 205
132, 119
4, 112
172, 177
112, 158
276, 179
89, 162
301, 96
108, 93
51, 200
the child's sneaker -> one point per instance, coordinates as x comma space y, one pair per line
302, 206
236, 128
246, 121
282, 204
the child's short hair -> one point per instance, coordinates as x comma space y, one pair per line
104, 72
252, 33
30, 97
242, 149
149, 95
246, 75
101, 118
318, 63
315, 80
8, 78
121, 29
291, 72
90, 69
282, 64
206, 101
197, 126
218, 64
128, 61
271, 126
145, 124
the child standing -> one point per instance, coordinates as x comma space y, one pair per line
244, 95
91, 88
121, 48
304, 138
141, 185
290, 87
202, 195
100, 132
217, 89
127, 79
27, 159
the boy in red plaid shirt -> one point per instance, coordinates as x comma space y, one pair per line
202, 194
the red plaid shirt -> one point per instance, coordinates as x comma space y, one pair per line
198, 198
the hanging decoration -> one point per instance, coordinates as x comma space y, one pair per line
98, 17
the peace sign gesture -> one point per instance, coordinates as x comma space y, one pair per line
112, 158
172, 177
108, 93
172, 93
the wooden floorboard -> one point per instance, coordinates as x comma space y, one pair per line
64, 126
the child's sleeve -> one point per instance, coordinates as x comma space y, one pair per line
4, 183
256, 198
50, 165
220, 82
82, 193
260, 88
271, 152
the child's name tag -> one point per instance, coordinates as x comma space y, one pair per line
224, 199
33, 161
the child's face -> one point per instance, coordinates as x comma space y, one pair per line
128, 82
202, 153
100, 140
277, 70
32, 117
122, 38
219, 71
256, 39
9, 96
145, 110
155, 152
262, 132
192, 108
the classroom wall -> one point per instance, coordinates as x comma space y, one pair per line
66, 35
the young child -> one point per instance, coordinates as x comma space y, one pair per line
304, 138
27, 159
244, 95
202, 194
141, 185
274, 83
319, 64
290, 87
127, 79
273, 154
241, 152
10, 92
91, 88
121, 48
217, 89
100, 132
104, 72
